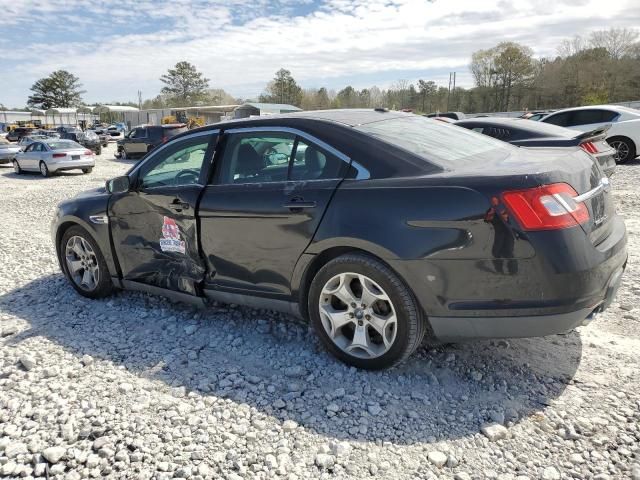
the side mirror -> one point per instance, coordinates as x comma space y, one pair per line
118, 185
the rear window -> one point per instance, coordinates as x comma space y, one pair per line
63, 145
437, 142
173, 131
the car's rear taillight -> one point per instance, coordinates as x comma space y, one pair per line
589, 147
88, 152
549, 207
59, 155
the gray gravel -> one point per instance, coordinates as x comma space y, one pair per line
135, 386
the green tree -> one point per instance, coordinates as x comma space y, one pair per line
282, 89
426, 89
185, 85
60, 89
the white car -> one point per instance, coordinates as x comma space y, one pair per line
54, 155
624, 134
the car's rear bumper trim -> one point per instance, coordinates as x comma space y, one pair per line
462, 328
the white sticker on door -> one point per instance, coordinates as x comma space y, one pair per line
170, 241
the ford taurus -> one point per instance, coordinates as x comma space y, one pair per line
379, 227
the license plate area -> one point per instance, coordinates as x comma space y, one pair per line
75, 157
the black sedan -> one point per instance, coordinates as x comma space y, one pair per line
379, 227
532, 134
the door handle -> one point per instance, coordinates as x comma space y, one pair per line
297, 204
178, 205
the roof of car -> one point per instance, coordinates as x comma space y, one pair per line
617, 108
547, 129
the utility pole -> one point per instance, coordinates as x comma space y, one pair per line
454, 91
139, 100
449, 92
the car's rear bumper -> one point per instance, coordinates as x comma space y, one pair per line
550, 291
70, 165
460, 328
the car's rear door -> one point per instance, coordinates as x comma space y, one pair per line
154, 226
262, 209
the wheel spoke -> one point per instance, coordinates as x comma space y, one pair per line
337, 318
370, 291
343, 290
77, 247
383, 326
86, 278
74, 265
361, 341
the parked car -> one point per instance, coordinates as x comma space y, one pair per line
17, 133
145, 138
451, 115
527, 133
29, 139
87, 138
103, 136
51, 156
624, 134
8, 150
377, 226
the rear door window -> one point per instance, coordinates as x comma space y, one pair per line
560, 119
586, 117
313, 163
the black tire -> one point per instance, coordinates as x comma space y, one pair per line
44, 170
16, 167
411, 326
87, 170
104, 285
123, 154
99, 150
625, 144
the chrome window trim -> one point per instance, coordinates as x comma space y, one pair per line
156, 151
363, 173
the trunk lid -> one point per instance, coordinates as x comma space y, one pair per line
525, 168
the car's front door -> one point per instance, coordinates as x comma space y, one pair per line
154, 227
268, 196
25, 157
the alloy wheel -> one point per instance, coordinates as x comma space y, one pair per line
16, 167
82, 263
622, 150
43, 169
358, 315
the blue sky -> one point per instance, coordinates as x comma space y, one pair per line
120, 47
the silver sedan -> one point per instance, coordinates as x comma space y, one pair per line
53, 155
8, 151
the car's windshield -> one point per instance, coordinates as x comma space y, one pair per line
441, 143
63, 145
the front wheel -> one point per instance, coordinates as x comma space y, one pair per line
625, 149
123, 154
99, 150
44, 170
84, 264
364, 314
16, 168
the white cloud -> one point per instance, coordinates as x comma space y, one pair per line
239, 44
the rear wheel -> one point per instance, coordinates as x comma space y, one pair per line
123, 154
84, 264
16, 167
87, 170
364, 314
625, 148
99, 150
44, 170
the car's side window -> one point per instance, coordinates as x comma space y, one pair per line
141, 133
609, 115
29, 148
256, 157
586, 117
312, 163
560, 119
175, 165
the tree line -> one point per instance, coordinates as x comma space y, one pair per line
601, 68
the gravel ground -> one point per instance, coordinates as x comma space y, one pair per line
135, 386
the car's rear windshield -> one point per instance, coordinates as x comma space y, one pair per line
173, 131
444, 144
544, 128
63, 145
